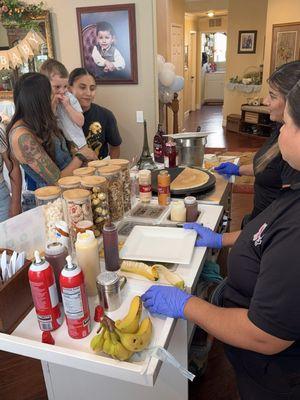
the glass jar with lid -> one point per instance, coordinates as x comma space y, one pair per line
78, 208
115, 191
125, 172
98, 164
50, 198
98, 187
84, 171
69, 182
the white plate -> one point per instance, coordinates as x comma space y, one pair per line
148, 243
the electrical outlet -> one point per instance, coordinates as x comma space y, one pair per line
139, 117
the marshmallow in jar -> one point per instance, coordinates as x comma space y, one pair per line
50, 198
178, 211
78, 208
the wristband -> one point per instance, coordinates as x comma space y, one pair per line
81, 158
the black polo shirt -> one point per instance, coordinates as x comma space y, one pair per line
100, 129
268, 182
264, 277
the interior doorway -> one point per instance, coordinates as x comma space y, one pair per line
213, 50
177, 60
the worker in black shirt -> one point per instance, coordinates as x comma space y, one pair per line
100, 125
267, 164
260, 318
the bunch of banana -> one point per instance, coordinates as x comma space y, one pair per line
137, 341
109, 342
130, 323
122, 338
140, 268
173, 278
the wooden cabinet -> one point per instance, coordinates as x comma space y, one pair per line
255, 120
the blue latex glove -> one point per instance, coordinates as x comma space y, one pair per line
228, 168
206, 237
165, 300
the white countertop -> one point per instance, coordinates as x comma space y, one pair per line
26, 339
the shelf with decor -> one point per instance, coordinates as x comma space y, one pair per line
255, 120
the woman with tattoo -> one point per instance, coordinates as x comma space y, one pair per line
10, 205
35, 140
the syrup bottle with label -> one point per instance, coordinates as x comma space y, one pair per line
170, 154
158, 145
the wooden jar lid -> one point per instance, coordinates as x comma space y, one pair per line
109, 170
98, 163
91, 181
83, 171
76, 194
121, 162
69, 181
47, 192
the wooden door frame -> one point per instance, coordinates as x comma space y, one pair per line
193, 96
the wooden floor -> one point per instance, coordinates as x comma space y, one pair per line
21, 378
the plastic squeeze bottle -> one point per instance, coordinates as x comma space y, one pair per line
88, 260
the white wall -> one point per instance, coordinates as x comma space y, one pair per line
243, 15
277, 14
123, 100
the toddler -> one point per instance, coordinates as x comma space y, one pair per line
105, 54
65, 106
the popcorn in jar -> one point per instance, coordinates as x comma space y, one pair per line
125, 173
50, 198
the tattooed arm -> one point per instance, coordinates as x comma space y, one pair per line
27, 150
16, 184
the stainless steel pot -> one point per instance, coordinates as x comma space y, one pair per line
191, 150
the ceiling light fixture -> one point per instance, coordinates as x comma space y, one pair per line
210, 14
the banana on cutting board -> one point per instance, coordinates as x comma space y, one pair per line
153, 272
140, 268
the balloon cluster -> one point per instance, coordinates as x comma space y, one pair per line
168, 81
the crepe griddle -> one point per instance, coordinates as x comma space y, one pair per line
174, 172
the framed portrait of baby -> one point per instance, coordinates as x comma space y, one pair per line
107, 37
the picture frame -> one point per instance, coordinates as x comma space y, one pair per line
285, 44
247, 42
107, 38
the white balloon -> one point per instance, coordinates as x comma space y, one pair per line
170, 66
166, 96
166, 77
178, 84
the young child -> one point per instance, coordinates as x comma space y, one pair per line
105, 54
65, 106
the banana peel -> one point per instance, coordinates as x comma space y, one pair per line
173, 278
140, 268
